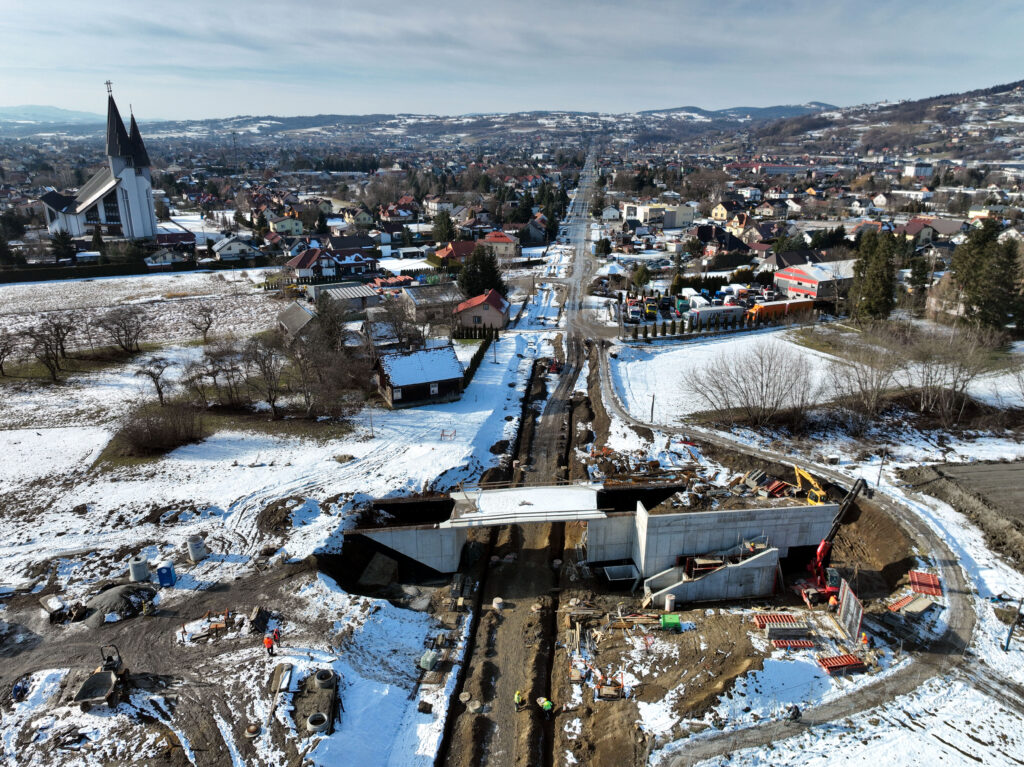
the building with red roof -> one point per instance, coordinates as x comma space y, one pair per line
489, 310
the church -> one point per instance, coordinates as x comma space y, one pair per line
119, 199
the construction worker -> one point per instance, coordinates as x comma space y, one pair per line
518, 698
833, 603
277, 636
546, 706
268, 642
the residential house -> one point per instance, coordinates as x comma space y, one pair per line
358, 216
431, 303
312, 263
489, 310
610, 213
771, 209
725, 209
504, 247
434, 204
750, 193
820, 282
409, 378
233, 248
285, 225
454, 252
161, 261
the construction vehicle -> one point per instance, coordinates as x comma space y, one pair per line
826, 579
816, 495
773, 310
107, 683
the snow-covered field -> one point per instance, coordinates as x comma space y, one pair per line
657, 370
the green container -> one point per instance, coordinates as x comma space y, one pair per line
670, 621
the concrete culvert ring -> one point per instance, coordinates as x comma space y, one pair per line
316, 722
324, 678
252, 731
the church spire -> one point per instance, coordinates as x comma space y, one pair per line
118, 144
140, 157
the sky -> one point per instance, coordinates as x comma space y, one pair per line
192, 59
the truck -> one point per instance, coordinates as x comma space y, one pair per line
706, 316
773, 310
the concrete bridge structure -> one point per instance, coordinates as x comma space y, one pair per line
656, 544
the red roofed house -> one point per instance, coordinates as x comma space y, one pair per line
489, 310
311, 262
505, 247
458, 250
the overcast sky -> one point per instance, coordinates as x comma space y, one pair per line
214, 58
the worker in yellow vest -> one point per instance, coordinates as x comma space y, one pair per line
519, 700
546, 706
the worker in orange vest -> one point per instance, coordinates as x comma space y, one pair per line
833, 603
268, 642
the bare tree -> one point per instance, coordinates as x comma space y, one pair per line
45, 347
759, 385
865, 375
202, 317
943, 366
264, 363
8, 346
154, 370
124, 326
398, 322
60, 326
224, 367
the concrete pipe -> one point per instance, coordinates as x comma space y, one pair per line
498, 603
138, 570
196, 548
316, 722
670, 602
253, 731
324, 679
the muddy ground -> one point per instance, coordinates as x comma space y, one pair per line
986, 493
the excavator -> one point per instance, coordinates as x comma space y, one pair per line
826, 579
816, 495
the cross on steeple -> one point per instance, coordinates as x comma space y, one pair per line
110, 90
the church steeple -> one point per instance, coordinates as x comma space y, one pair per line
140, 157
118, 144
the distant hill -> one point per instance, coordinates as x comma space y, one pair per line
780, 111
29, 113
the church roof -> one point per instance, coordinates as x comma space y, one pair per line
140, 157
118, 144
95, 189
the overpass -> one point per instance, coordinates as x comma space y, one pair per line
654, 543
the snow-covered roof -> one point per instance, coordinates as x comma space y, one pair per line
423, 366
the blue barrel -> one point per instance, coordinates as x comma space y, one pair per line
165, 574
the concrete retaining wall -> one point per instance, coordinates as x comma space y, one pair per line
668, 536
754, 577
440, 549
611, 538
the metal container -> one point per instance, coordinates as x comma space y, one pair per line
670, 602
196, 548
138, 570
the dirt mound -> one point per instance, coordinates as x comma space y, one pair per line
122, 601
872, 551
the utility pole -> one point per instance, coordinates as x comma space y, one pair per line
878, 482
652, 408
1009, 634
370, 411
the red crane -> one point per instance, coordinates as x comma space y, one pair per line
826, 579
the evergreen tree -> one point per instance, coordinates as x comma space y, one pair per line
97, 241
480, 273
63, 245
677, 285
603, 247
406, 237
872, 294
987, 273
321, 226
641, 276
443, 229
920, 276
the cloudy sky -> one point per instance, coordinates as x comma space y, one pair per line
211, 58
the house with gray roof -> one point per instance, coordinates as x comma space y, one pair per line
424, 376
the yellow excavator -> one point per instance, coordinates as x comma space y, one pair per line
816, 495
